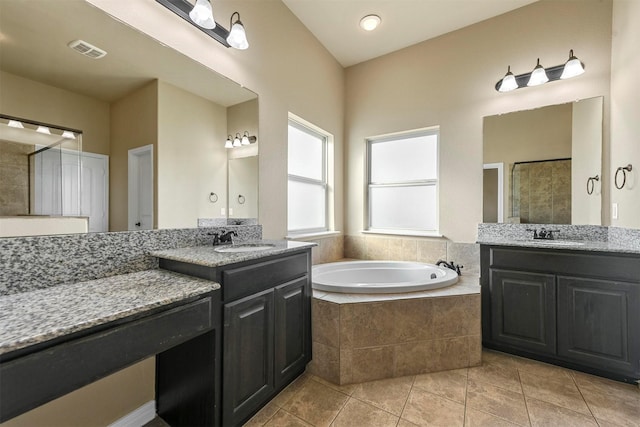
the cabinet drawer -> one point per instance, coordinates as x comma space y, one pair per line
246, 280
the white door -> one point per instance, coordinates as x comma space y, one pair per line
141, 188
95, 191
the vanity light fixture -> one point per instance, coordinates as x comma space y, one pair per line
370, 22
201, 16
240, 141
68, 134
15, 124
540, 75
237, 37
228, 143
43, 129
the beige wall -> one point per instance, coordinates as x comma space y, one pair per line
538, 134
97, 404
33, 100
586, 149
285, 65
134, 123
625, 110
449, 81
240, 118
192, 160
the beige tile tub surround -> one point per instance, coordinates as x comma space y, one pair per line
373, 247
358, 338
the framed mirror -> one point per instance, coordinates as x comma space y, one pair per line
543, 166
71, 65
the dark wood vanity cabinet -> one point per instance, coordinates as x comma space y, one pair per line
266, 334
578, 309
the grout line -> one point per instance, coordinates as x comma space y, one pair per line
407, 399
573, 378
526, 407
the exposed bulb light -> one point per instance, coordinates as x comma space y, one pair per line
508, 82
573, 67
68, 134
43, 129
538, 75
228, 143
237, 36
202, 14
370, 22
15, 124
245, 138
236, 141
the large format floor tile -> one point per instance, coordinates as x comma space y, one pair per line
505, 391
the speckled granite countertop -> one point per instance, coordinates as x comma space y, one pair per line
208, 257
30, 318
575, 245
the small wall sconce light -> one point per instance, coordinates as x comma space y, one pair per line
540, 75
239, 141
201, 16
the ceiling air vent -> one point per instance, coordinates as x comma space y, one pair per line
87, 49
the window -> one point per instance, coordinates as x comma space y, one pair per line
402, 188
308, 188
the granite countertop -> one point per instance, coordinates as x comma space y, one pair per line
209, 257
575, 245
34, 317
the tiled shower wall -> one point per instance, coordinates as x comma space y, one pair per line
370, 247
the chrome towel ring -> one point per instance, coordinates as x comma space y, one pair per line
624, 171
241, 199
591, 183
213, 197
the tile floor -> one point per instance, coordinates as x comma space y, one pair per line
504, 391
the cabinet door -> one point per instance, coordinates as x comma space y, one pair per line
598, 323
248, 378
292, 329
523, 310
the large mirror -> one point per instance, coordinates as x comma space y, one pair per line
543, 166
153, 122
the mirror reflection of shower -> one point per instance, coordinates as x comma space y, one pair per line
40, 175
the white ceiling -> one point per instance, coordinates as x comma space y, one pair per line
335, 23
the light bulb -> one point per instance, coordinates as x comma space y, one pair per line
43, 129
573, 67
370, 22
15, 124
236, 141
68, 134
237, 37
228, 143
538, 76
245, 139
202, 14
508, 82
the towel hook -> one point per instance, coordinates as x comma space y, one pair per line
591, 183
624, 171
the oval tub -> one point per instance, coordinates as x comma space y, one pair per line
379, 277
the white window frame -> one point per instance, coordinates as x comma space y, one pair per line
426, 182
308, 128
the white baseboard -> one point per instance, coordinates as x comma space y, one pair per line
138, 417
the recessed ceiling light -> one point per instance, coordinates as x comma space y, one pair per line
370, 22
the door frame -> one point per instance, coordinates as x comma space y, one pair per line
134, 185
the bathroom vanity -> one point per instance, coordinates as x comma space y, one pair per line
265, 313
59, 339
575, 304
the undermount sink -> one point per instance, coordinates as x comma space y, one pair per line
556, 243
248, 247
